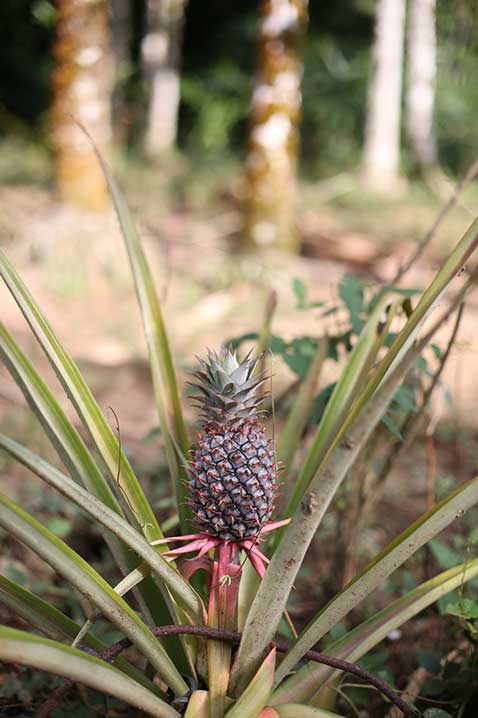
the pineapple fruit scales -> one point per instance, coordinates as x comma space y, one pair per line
234, 479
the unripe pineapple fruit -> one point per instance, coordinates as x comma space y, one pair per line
234, 481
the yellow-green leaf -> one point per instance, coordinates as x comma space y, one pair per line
46, 655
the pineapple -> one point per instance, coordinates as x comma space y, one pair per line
234, 479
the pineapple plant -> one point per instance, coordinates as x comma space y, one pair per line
234, 475
233, 472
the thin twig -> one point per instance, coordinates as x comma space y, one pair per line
290, 623
431, 469
469, 177
409, 429
263, 346
110, 654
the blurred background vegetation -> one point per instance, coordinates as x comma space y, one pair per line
218, 59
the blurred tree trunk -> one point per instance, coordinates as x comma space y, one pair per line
81, 93
381, 159
421, 82
161, 53
270, 192
121, 41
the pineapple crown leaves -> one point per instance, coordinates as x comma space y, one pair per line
228, 387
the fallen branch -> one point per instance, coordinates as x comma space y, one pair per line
111, 653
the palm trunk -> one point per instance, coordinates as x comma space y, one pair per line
82, 86
121, 38
270, 200
421, 82
161, 52
381, 158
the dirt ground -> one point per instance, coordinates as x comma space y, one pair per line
75, 265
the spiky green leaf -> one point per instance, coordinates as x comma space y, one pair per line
47, 655
93, 586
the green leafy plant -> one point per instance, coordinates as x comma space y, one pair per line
195, 671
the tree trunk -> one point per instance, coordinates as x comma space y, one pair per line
121, 41
421, 82
270, 193
161, 53
381, 158
81, 93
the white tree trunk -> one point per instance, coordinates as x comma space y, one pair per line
161, 54
421, 82
381, 158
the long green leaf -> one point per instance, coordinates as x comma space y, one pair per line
297, 418
62, 434
250, 581
156, 606
53, 623
179, 587
46, 655
394, 555
197, 706
297, 710
452, 266
409, 429
270, 601
82, 399
126, 584
73, 452
271, 598
161, 362
255, 696
89, 582
362, 639
264, 337
361, 357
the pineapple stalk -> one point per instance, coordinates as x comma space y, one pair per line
222, 614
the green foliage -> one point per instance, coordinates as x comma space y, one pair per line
59, 526
358, 302
22, 685
445, 556
429, 660
300, 291
467, 608
216, 102
351, 292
